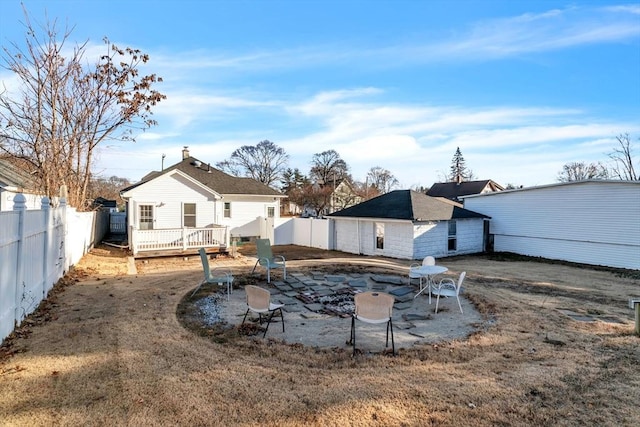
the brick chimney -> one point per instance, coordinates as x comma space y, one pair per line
185, 152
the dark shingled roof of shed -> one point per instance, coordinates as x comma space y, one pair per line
408, 205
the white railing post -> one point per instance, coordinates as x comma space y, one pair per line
132, 239
20, 205
46, 211
184, 239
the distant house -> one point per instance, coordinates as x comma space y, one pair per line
106, 204
191, 204
337, 194
455, 190
409, 225
343, 195
591, 222
14, 180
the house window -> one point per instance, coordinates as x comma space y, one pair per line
146, 217
271, 211
227, 209
379, 235
453, 241
189, 215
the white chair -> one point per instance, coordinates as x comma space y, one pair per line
373, 307
259, 301
448, 288
267, 260
217, 275
414, 273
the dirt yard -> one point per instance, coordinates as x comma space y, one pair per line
556, 347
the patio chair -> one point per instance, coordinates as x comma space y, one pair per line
267, 260
373, 307
448, 288
414, 273
259, 301
217, 275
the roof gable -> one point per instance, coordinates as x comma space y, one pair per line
454, 190
214, 179
408, 205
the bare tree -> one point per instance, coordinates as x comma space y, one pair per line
622, 156
328, 167
316, 197
381, 179
64, 108
580, 171
264, 162
109, 188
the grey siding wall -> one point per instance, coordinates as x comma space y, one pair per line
433, 238
470, 236
358, 237
405, 240
591, 222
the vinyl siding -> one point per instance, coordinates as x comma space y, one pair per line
589, 222
433, 238
167, 194
246, 212
406, 240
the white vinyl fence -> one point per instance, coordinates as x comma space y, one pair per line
310, 232
36, 249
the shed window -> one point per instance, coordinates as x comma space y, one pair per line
453, 240
189, 214
227, 209
271, 211
379, 235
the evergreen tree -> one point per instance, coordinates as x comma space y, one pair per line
459, 171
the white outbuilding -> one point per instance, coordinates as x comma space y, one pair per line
590, 222
409, 225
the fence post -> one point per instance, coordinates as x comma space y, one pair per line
19, 204
63, 208
46, 211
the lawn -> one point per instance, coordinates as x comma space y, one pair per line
108, 349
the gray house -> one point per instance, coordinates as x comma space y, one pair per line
409, 225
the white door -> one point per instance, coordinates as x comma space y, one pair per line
145, 217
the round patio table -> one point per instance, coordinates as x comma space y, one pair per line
429, 271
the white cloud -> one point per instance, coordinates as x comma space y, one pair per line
484, 40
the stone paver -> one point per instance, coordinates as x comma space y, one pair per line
318, 311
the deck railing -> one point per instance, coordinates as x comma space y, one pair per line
178, 239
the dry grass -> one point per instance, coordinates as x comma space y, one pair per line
108, 349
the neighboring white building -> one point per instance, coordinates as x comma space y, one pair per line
191, 199
15, 181
408, 225
591, 222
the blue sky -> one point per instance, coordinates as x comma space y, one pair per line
522, 87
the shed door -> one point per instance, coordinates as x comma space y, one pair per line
146, 217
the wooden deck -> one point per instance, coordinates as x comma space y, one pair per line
223, 250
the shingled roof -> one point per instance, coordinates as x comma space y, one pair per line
455, 190
408, 205
213, 178
13, 177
